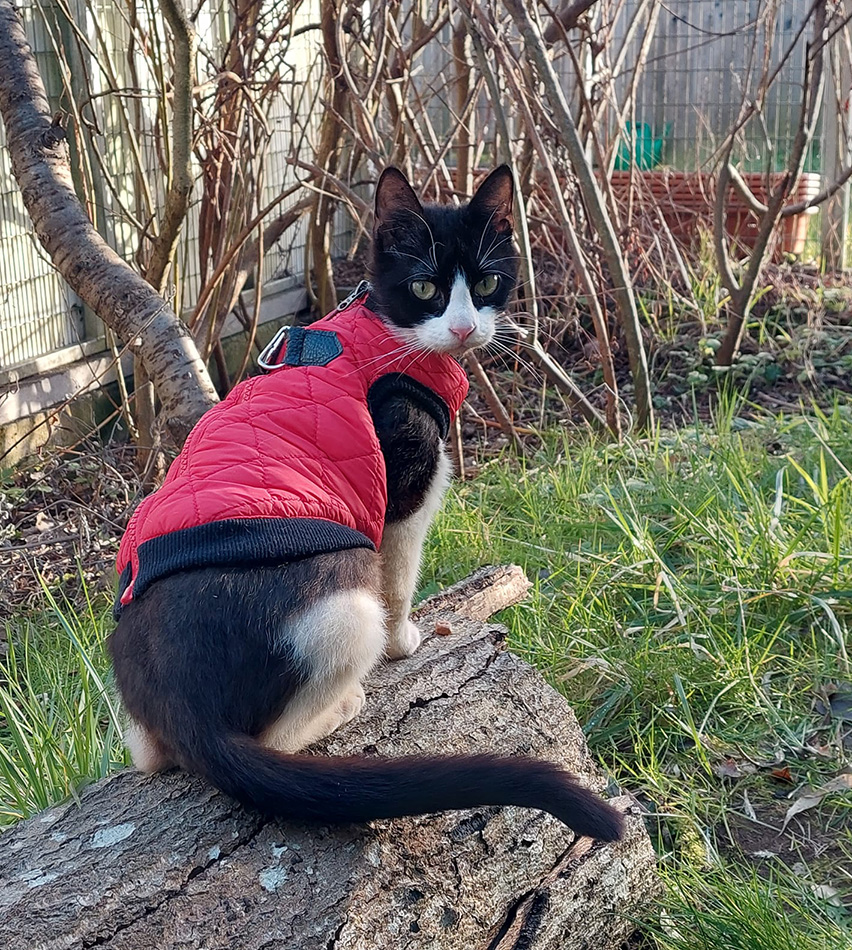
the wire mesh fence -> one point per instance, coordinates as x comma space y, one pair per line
706, 59
38, 312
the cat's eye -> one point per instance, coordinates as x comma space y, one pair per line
423, 289
487, 286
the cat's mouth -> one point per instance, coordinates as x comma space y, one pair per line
436, 336
457, 347
467, 346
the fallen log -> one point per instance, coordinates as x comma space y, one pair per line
152, 863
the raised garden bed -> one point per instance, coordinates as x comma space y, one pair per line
686, 200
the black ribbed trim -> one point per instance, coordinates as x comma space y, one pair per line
123, 580
398, 384
234, 542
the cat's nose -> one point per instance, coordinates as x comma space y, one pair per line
463, 332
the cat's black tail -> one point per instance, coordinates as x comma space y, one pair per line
360, 788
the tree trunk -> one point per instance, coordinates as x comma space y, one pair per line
180, 167
121, 298
741, 291
150, 461
168, 862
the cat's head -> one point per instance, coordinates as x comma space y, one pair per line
442, 275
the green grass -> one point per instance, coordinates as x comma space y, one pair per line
692, 597
691, 592
58, 724
721, 911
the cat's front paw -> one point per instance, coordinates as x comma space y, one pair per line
403, 641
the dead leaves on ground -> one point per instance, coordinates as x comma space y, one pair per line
810, 798
834, 701
732, 769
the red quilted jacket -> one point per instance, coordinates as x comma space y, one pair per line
289, 464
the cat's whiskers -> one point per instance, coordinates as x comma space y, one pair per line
491, 247
427, 266
412, 361
502, 348
490, 262
519, 313
433, 253
417, 275
508, 330
418, 343
482, 236
516, 336
399, 353
509, 326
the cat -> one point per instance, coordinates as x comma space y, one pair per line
249, 617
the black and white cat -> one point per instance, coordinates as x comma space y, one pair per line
230, 670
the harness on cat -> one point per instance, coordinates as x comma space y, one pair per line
298, 336
289, 464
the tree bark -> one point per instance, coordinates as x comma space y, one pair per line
167, 862
120, 297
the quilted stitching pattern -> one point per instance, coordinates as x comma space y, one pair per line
298, 443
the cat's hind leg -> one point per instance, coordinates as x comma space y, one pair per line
146, 751
336, 641
348, 705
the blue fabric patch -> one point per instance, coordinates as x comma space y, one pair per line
307, 347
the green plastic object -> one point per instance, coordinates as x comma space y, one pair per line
640, 148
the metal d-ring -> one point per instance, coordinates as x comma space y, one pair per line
271, 348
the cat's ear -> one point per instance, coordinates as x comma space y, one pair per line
394, 197
494, 198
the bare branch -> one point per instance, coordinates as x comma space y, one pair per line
180, 188
235, 249
583, 274
719, 241
594, 204
567, 18
820, 198
812, 98
737, 180
494, 403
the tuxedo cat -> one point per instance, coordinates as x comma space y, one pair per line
276, 566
